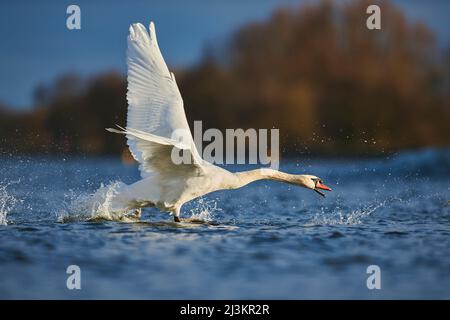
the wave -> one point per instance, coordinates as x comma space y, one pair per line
422, 162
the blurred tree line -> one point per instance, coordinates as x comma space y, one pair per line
317, 73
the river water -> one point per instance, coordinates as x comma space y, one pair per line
267, 240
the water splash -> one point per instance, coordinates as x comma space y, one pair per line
340, 217
95, 207
7, 202
204, 210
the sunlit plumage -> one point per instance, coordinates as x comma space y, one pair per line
155, 111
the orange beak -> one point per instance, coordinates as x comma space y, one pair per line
320, 185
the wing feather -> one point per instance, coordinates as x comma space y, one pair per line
155, 105
156, 154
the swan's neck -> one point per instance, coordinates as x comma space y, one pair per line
247, 177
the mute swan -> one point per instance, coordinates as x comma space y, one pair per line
155, 110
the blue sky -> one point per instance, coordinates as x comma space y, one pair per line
36, 46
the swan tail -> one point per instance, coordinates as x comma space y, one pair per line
113, 130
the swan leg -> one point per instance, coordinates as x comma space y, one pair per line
137, 213
176, 215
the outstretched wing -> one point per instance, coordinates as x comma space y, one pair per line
162, 155
155, 105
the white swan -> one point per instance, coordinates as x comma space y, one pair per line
155, 110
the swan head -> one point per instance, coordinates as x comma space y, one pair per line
313, 183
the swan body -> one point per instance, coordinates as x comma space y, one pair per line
155, 111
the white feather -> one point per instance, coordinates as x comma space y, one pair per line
155, 105
155, 112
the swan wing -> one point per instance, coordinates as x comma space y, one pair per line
155, 106
157, 155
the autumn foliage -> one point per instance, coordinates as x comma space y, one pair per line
316, 72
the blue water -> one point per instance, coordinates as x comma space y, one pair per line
267, 240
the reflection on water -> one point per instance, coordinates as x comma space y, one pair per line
267, 240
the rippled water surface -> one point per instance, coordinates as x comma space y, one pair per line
267, 240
